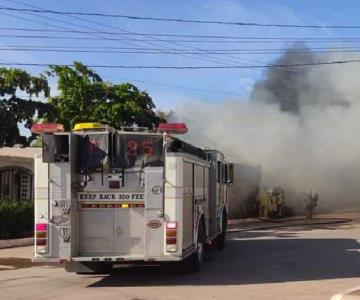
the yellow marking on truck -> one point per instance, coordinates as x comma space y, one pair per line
112, 205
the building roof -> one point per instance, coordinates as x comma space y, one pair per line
28, 152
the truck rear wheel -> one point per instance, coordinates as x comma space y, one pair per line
196, 260
221, 238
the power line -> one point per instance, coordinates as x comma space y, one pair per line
330, 39
200, 57
170, 52
289, 71
192, 67
151, 41
59, 21
174, 86
126, 39
179, 49
178, 20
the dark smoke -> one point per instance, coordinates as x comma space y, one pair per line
290, 87
300, 126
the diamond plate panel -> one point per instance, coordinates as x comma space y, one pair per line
154, 237
153, 180
60, 199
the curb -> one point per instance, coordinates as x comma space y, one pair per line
16, 243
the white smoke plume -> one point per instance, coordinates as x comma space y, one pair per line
300, 126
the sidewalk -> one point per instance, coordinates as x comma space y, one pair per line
351, 294
21, 258
16, 243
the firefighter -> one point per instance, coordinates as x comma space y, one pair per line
263, 199
310, 202
278, 195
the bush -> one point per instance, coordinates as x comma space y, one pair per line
16, 219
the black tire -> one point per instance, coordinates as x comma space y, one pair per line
195, 262
221, 238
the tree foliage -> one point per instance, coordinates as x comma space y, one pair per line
17, 88
16, 219
85, 97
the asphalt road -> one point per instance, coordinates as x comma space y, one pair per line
302, 262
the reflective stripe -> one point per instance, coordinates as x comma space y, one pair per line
112, 205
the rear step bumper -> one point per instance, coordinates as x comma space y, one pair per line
106, 259
117, 259
125, 258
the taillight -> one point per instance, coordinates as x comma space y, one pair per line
41, 232
171, 236
171, 225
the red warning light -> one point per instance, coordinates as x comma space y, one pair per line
47, 128
176, 128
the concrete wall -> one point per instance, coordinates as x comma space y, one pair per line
26, 163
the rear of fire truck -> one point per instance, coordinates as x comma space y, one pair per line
100, 200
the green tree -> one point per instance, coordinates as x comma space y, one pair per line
85, 97
17, 88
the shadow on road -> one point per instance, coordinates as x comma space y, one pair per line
264, 233
287, 232
296, 224
333, 226
256, 261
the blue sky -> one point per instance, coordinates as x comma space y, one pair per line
171, 87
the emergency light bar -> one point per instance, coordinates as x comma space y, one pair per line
88, 126
176, 128
46, 128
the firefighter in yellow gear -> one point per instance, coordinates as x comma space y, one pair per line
271, 202
278, 199
263, 199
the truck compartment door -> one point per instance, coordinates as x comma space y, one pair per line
96, 230
128, 230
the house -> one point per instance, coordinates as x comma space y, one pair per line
17, 173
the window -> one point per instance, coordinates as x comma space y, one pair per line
231, 173
137, 150
223, 172
92, 152
226, 173
55, 148
16, 183
219, 172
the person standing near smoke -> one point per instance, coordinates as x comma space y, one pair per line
310, 202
